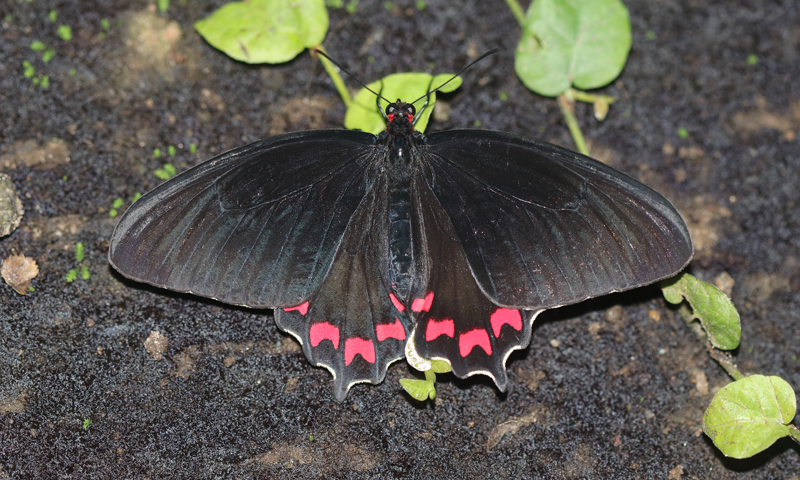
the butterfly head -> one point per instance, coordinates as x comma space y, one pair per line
400, 116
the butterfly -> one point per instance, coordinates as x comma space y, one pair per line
448, 244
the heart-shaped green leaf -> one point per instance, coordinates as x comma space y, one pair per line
572, 42
713, 308
750, 414
265, 31
363, 114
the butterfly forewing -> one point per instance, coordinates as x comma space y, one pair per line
256, 226
542, 226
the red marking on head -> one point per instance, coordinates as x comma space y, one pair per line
469, 340
358, 346
324, 331
410, 118
505, 316
422, 304
390, 330
399, 306
436, 329
302, 308
390, 117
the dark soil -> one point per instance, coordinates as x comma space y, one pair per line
611, 388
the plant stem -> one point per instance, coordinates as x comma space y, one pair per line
516, 9
582, 96
567, 109
722, 358
333, 72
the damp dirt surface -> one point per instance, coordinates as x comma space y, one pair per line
614, 387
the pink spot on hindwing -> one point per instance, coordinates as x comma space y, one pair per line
390, 330
399, 306
436, 329
324, 331
505, 316
302, 308
422, 304
469, 340
358, 346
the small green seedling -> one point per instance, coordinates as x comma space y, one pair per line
115, 206
192, 148
157, 152
65, 32
265, 31
81, 268
27, 69
167, 172
104, 23
86, 423
363, 114
48, 55
171, 150
53, 15
750, 414
163, 5
38, 46
422, 390
683, 133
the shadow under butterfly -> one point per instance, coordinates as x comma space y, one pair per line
444, 245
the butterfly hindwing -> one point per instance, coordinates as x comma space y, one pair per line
350, 325
455, 320
256, 226
542, 226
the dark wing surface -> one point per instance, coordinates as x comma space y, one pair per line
542, 226
256, 226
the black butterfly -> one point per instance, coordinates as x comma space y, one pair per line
454, 240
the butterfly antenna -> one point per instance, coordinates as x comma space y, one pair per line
355, 78
490, 52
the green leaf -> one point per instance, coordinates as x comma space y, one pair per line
747, 416
572, 42
53, 15
118, 202
265, 31
85, 272
363, 114
171, 150
79, 252
440, 366
163, 5
38, 46
86, 423
170, 169
419, 389
48, 55
713, 308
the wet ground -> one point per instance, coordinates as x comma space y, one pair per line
611, 388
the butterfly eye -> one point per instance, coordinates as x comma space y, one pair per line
390, 109
411, 110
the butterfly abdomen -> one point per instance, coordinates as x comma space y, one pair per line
401, 258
